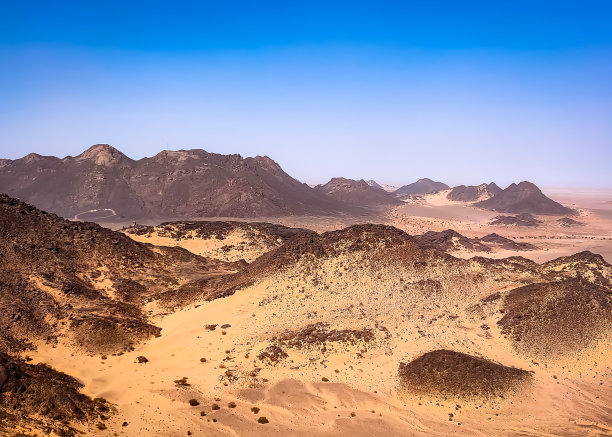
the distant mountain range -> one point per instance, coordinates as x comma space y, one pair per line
184, 183
104, 184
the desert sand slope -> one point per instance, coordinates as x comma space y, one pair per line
345, 333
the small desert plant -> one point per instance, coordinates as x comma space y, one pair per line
182, 381
353, 414
255, 410
263, 419
324, 379
215, 407
193, 402
202, 413
100, 426
202, 360
232, 405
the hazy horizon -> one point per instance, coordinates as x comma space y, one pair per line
394, 93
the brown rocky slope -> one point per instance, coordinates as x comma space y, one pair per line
81, 282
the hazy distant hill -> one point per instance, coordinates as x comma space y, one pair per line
524, 197
473, 193
359, 192
422, 186
388, 188
373, 183
185, 183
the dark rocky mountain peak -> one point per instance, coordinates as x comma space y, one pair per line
524, 197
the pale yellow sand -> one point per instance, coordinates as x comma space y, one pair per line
296, 401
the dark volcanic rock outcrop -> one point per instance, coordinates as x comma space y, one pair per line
506, 243
524, 197
422, 186
473, 193
557, 318
185, 183
36, 395
586, 265
359, 193
567, 222
448, 373
450, 240
524, 219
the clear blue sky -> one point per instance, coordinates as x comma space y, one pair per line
458, 91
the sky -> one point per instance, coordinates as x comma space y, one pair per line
458, 91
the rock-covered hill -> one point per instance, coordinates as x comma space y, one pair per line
473, 193
80, 283
422, 186
36, 396
553, 320
359, 193
450, 241
567, 222
524, 197
223, 240
454, 374
524, 219
174, 184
